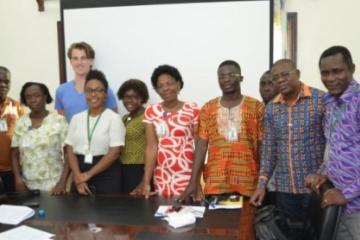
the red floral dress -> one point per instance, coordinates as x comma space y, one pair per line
175, 133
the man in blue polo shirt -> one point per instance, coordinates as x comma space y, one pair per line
70, 97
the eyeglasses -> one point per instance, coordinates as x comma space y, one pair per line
94, 90
228, 75
285, 74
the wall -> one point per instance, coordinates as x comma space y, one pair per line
321, 24
29, 38
28, 43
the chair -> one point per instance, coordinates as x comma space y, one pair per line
322, 222
2, 191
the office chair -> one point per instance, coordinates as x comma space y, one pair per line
322, 222
2, 191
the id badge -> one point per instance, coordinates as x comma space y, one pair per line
326, 153
3, 125
232, 135
26, 141
162, 130
88, 158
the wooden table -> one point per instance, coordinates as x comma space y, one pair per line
124, 217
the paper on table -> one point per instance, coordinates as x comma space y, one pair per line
25, 233
164, 210
180, 219
12, 214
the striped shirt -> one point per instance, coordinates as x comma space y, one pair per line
342, 131
293, 140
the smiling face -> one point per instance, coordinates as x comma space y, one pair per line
35, 99
4, 84
167, 87
132, 101
80, 62
336, 74
229, 79
95, 94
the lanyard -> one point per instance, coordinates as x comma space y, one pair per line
334, 119
91, 133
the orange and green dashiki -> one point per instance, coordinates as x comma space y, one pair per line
232, 164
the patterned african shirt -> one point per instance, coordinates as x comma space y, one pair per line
233, 136
41, 156
293, 140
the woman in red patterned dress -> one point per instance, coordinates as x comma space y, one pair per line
171, 130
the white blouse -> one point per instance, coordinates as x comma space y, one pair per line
109, 132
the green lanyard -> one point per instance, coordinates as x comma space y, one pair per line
91, 133
334, 119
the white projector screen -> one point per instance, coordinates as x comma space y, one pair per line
130, 41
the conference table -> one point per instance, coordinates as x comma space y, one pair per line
118, 217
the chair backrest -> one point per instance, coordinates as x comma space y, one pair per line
322, 222
2, 191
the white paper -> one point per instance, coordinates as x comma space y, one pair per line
180, 219
25, 233
12, 214
165, 210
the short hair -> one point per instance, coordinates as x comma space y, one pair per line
89, 51
285, 61
230, 63
169, 70
335, 50
6, 70
44, 89
98, 75
137, 86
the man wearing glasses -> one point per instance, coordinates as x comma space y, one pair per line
293, 143
70, 97
230, 131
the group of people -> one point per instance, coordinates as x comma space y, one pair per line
279, 149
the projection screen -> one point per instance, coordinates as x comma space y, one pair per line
131, 38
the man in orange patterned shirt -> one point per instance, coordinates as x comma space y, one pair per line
10, 111
230, 130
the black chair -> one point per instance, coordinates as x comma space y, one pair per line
322, 222
2, 191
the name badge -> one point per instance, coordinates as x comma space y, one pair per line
3, 125
162, 130
88, 158
232, 135
26, 141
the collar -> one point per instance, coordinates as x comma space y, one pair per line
4, 105
305, 91
347, 94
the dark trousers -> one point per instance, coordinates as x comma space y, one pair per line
108, 181
8, 180
295, 206
131, 176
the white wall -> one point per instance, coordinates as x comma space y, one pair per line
28, 38
321, 24
28, 43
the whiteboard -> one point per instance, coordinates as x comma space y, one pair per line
131, 41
